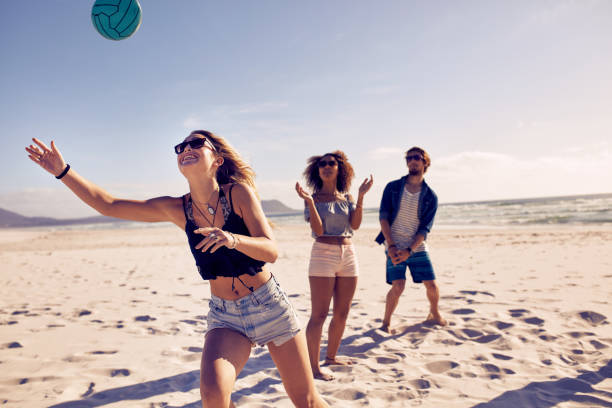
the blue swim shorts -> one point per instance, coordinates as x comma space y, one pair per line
263, 316
420, 266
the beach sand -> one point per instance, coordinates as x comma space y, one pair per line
116, 318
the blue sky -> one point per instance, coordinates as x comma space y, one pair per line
511, 98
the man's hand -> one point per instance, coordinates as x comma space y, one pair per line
403, 254
393, 253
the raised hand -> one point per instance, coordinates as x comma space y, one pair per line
49, 159
366, 185
304, 195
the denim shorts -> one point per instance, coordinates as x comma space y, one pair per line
419, 264
263, 316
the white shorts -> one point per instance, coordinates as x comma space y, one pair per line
333, 260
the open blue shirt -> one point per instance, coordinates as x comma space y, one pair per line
390, 205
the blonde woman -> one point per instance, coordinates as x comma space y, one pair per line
333, 269
231, 242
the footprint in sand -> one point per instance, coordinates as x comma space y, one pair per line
438, 367
387, 360
12, 345
421, 384
144, 318
501, 356
124, 372
534, 320
547, 337
487, 338
493, 370
593, 318
463, 311
502, 325
598, 345
18, 312
471, 333
192, 322
577, 334
518, 312
97, 352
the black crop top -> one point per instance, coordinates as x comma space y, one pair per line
224, 261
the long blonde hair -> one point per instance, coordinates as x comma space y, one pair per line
234, 168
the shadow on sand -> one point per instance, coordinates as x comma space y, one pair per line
191, 380
547, 394
178, 383
544, 394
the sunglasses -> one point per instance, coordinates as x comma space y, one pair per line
330, 163
193, 143
414, 157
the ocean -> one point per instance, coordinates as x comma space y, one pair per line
550, 211
573, 210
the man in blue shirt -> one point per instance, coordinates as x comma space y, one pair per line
407, 211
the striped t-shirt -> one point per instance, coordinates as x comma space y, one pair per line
406, 222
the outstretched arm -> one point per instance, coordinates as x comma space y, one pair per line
155, 209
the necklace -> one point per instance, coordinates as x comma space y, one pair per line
212, 211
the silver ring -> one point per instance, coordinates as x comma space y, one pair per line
213, 236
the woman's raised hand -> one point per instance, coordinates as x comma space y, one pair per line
49, 159
304, 195
366, 185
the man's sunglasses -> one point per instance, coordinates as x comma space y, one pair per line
414, 157
330, 163
193, 143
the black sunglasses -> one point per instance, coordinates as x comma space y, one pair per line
193, 143
414, 157
330, 163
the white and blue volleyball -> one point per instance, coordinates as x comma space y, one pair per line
116, 19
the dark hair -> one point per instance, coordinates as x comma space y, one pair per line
345, 172
426, 158
234, 168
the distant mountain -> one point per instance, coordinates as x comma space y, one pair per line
275, 207
9, 219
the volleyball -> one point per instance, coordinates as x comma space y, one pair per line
116, 19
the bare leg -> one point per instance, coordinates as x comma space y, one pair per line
321, 291
343, 296
291, 359
397, 288
224, 356
433, 295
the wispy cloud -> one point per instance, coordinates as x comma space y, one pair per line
478, 175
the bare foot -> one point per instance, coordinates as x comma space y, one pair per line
336, 361
387, 329
320, 375
436, 319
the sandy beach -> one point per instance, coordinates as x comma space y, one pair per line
116, 318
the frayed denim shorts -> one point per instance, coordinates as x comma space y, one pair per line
263, 316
